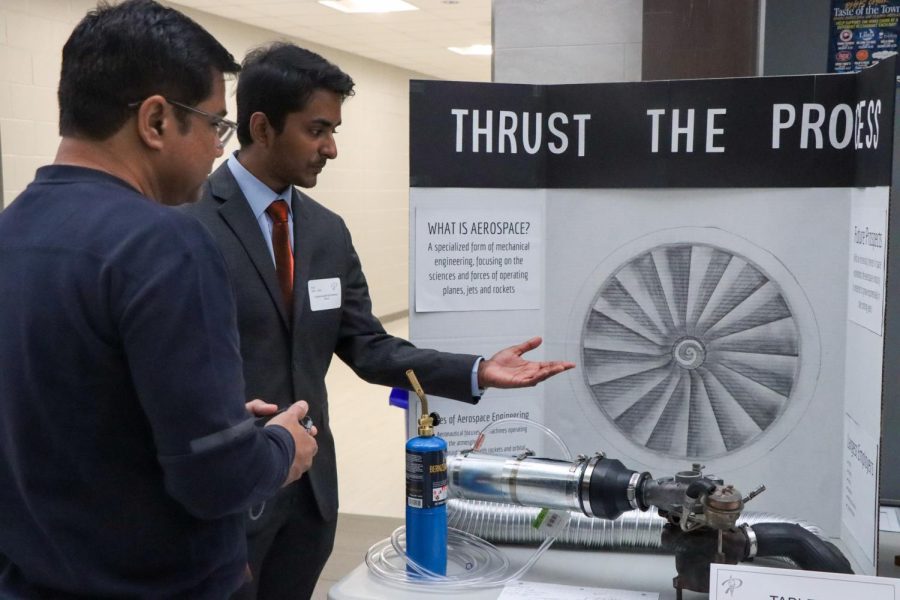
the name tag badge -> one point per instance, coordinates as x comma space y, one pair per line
325, 294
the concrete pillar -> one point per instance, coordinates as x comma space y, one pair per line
567, 41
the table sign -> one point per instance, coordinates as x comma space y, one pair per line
739, 582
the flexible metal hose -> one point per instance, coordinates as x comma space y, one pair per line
633, 531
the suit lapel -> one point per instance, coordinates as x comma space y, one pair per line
302, 254
235, 211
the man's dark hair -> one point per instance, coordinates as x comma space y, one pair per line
122, 54
279, 79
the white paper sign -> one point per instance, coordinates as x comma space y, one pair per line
478, 259
739, 582
860, 486
324, 294
530, 590
889, 519
868, 239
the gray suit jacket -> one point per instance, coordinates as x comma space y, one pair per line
284, 363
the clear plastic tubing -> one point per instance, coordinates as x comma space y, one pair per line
471, 561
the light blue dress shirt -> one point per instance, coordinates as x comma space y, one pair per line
259, 196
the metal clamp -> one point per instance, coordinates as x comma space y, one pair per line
587, 472
751, 540
631, 490
523, 455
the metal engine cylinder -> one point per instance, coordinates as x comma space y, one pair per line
529, 482
595, 486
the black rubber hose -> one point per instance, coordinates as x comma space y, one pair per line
792, 541
608, 492
701, 486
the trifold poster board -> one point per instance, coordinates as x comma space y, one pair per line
711, 253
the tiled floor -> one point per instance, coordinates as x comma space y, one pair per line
355, 535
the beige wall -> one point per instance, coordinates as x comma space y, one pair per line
367, 184
31, 36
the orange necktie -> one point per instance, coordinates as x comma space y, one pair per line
281, 247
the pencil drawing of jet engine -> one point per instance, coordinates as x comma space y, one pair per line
692, 350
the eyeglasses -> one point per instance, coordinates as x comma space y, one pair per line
224, 128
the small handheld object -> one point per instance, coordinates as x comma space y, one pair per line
306, 422
426, 491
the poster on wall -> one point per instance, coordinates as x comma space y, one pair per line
694, 243
862, 32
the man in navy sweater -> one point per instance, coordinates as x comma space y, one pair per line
126, 450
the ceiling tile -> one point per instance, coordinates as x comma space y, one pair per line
413, 40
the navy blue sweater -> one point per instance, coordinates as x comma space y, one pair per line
126, 454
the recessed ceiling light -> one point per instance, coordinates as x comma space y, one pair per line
473, 50
368, 6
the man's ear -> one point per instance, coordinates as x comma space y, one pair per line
261, 130
152, 121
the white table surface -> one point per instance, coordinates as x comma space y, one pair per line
630, 571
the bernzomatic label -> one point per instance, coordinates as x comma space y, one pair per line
426, 479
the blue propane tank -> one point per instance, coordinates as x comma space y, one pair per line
426, 502
426, 492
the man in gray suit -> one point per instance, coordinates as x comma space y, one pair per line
293, 315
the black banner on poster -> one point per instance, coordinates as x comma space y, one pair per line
863, 32
803, 131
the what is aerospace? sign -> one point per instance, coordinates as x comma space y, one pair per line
803, 131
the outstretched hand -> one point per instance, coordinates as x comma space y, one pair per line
507, 368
